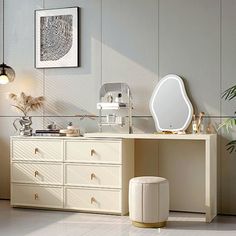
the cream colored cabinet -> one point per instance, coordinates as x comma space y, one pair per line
71, 173
108, 200
97, 173
93, 151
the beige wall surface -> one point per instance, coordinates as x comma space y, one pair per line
137, 42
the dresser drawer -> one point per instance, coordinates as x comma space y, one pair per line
43, 173
39, 196
93, 175
35, 150
93, 199
93, 151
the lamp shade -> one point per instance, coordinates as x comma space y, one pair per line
7, 74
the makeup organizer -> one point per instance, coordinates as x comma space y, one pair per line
115, 108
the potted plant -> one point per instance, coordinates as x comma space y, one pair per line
230, 94
25, 104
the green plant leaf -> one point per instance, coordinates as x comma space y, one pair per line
231, 146
230, 93
228, 124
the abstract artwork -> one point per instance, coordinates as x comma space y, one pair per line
57, 38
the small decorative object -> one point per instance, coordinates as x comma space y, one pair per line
109, 98
25, 104
25, 122
57, 38
52, 126
194, 125
170, 106
200, 125
71, 131
197, 124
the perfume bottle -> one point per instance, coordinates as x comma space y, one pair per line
194, 125
109, 97
118, 98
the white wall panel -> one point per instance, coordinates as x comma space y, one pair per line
75, 91
129, 47
189, 45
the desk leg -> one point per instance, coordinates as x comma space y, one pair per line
211, 178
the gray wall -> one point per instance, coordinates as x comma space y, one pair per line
135, 41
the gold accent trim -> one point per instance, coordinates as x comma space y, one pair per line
92, 152
36, 196
92, 200
36, 150
36, 173
92, 176
149, 225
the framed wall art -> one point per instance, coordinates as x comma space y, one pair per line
57, 38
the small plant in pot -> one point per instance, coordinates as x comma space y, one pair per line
25, 104
230, 94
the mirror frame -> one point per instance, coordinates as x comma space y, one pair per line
186, 99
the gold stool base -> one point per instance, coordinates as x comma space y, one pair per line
149, 225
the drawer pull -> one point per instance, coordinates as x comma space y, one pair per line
36, 150
92, 176
92, 152
36, 173
36, 196
92, 200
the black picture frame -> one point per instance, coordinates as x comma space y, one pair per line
57, 37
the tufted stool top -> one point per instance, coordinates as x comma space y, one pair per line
148, 180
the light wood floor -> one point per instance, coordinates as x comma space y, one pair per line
16, 221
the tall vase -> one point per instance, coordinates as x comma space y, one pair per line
25, 123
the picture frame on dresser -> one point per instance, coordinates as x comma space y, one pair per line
57, 37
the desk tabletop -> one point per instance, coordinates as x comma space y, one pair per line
151, 136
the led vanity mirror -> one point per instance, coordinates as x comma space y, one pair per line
170, 106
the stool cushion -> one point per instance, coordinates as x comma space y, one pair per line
149, 199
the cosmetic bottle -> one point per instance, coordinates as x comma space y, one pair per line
194, 125
118, 98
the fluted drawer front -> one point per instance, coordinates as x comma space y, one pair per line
39, 196
92, 199
93, 175
37, 150
93, 151
43, 173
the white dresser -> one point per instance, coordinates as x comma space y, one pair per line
84, 174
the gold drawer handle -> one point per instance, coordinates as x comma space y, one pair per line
92, 200
92, 176
36, 150
92, 152
36, 196
36, 173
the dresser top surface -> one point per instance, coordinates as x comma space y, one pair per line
126, 136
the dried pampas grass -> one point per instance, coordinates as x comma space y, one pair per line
26, 103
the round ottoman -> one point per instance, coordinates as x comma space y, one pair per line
149, 201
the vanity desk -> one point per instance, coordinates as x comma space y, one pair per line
91, 173
210, 161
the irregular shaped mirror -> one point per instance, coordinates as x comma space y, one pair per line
170, 106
